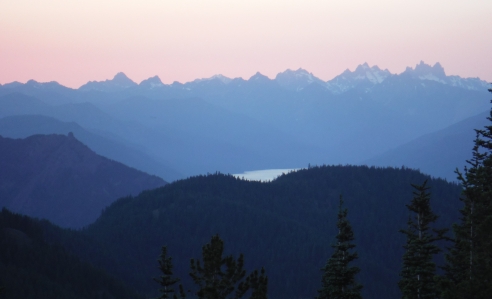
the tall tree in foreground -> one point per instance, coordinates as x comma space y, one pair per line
224, 277
418, 276
338, 279
469, 267
167, 281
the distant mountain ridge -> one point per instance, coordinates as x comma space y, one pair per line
438, 153
58, 178
289, 79
22, 126
298, 79
236, 125
119, 81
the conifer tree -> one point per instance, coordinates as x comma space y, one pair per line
224, 277
167, 280
418, 276
338, 281
469, 262
259, 284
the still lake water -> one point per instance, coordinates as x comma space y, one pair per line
265, 175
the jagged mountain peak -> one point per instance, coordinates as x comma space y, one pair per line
363, 67
219, 77
423, 71
363, 74
296, 79
427, 72
152, 82
119, 81
299, 73
122, 79
36, 84
374, 73
259, 77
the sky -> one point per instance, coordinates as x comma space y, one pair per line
73, 42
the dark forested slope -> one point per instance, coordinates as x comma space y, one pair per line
32, 267
286, 225
58, 178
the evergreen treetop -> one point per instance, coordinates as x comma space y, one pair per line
338, 279
418, 276
224, 277
167, 280
469, 262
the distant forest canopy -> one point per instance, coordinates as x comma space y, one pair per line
286, 225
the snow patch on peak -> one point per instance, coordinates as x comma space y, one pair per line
423, 71
362, 67
363, 74
427, 71
296, 80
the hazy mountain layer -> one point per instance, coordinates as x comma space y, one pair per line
236, 125
22, 126
58, 178
439, 153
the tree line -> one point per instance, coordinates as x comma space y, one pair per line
467, 272
468, 268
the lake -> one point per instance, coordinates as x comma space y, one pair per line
265, 175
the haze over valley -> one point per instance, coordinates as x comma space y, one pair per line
148, 163
238, 125
245, 149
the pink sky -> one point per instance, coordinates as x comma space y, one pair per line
73, 42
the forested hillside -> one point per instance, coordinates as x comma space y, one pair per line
58, 178
286, 226
31, 267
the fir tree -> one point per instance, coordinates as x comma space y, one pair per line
469, 261
167, 280
259, 284
338, 279
224, 277
418, 276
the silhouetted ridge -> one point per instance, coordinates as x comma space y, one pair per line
285, 226
58, 178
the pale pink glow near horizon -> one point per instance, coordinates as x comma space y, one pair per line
73, 42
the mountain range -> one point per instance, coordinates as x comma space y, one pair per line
236, 125
420, 118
